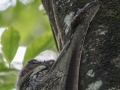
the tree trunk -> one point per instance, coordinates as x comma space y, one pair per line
89, 45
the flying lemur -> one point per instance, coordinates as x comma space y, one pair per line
35, 69
31, 72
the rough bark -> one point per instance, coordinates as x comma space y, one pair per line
100, 63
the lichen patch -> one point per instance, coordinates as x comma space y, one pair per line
90, 73
67, 21
95, 86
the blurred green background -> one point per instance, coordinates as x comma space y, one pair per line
26, 25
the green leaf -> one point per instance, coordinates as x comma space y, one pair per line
37, 45
2, 64
8, 79
10, 41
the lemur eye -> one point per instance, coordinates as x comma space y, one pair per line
24, 71
33, 61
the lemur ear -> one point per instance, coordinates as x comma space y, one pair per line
49, 63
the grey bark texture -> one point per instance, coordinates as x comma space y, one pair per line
91, 61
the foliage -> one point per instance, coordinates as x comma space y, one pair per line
34, 48
27, 26
10, 40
